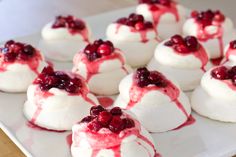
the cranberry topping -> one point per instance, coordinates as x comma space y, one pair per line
224, 73
183, 45
49, 78
162, 2
232, 44
69, 22
143, 78
113, 119
207, 17
13, 51
98, 49
136, 21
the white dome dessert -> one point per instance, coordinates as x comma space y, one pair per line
57, 100
212, 29
103, 67
215, 97
183, 59
135, 37
64, 37
111, 133
20, 63
167, 16
151, 96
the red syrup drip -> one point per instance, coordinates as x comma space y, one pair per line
32, 63
105, 101
39, 128
94, 66
143, 33
112, 141
199, 54
84, 33
191, 120
158, 10
229, 84
204, 36
216, 61
69, 140
137, 93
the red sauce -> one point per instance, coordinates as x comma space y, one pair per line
105, 101
191, 120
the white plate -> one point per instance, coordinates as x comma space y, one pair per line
205, 138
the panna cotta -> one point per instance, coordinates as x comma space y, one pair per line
56, 100
135, 37
111, 133
213, 29
183, 59
167, 16
65, 36
103, 66
215, 97
20, 63
153, 98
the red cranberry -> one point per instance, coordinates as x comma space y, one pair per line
148, 25
181, 48
47, 70
116, 125
90, 49
232, 44
177, 39
104, 49
71, 88
194, 14
93, 56
192, 43
129, 123
9, 43
104, 118
29, 50
87, 119
139, 26
122, 20
94, 126
220, 73
10, 57
219, 17
116, 111
95, 110
157, 79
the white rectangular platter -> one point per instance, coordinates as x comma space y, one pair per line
204, 138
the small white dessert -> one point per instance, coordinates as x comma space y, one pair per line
20, 63
230, 54
103, 67
212, 29
153, 98
167, 16
64, 37
183, 59
135, 37
57, 100
111, 133
215, 97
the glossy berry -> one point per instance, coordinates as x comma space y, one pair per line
207, 17
143, 78
98, 49
113, 119
95, 110
116, 111
49, 78
13, 51
183, 45
104, 49
220, 73
104, 118
136, 21
69, 22
117, 124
